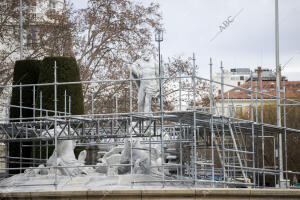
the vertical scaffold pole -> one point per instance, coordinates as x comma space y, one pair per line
130, 127
21, 29
162, 125
180, 87
41, 105
159, 39
65, 102
285, 136
211, 123
223, 131
33, 99
70, 101
21, 102
194, 120
116, 104
7, 157
55, 124
256, 100
93, 105
181, 149
41, 114
20, 157
262, 131
278, 76
181, 131
256, 120
252, 129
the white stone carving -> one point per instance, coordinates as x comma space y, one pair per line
145, 68
122, 155
65, 157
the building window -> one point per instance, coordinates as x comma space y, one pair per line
235, 78
231, 110
31, 37
239, 110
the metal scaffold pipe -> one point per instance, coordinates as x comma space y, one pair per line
278, 81
195, 146
223, 128
211, 110
55, 124
21, 29
194, 120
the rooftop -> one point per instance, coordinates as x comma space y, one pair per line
268, 87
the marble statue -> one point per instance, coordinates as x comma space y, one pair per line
109, 171
145, 68
140, 158
65, 157
122, 154
109, 159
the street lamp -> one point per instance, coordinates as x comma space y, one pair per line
159, 38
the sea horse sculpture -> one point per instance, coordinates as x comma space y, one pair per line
65, 158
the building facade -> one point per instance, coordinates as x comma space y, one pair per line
238, 100
234, 76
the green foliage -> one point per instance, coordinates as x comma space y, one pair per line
270, 113
25, 72
33, 72
292, 140
67, 71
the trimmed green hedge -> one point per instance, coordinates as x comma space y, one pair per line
25, 72
67, 71
33, 72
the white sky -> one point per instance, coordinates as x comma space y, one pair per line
247, 42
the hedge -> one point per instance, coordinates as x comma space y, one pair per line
33, 72
25, 72
67, 71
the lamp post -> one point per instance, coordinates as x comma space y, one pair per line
159, 38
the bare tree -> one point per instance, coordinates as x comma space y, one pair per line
47, 35
56, 32
112, 34
182, 67
104, 37
9, 34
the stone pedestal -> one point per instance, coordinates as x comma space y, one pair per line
155, 194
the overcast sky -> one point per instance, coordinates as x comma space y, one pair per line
247, 42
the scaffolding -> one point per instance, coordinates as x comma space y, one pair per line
200, 146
